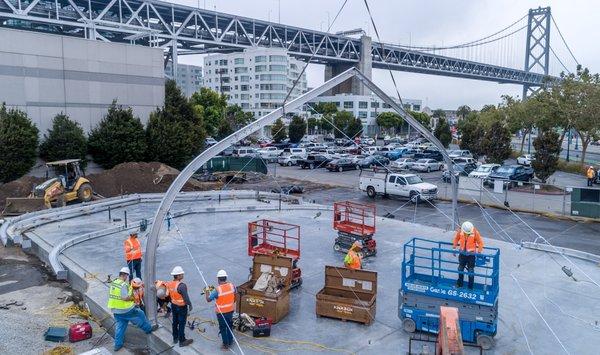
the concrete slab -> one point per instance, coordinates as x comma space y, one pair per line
218, 241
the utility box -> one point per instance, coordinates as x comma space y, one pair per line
348, 295
274, 301
585, 202
236, 164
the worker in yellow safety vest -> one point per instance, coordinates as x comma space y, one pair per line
591, 175
122, 304
133, 255
353, 260
224, 297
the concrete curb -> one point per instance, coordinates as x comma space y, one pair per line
560, 250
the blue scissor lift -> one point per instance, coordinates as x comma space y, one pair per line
429, 274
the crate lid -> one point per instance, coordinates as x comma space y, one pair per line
278, 264
342, 278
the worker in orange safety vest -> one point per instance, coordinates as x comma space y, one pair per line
468, 241
353, 260
133, 255
180, 306
224, 297
162, 298
138, 293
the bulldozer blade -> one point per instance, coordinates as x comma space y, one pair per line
16, 206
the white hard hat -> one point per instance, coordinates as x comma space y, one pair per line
161, 292
177, 270
467, 227
124, 270
221, 273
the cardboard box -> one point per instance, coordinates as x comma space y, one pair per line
267, 304
348, 295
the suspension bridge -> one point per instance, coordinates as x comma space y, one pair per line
517, 54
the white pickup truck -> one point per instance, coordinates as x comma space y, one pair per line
407, 185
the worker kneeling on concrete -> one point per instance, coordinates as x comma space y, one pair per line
180, 304
138, 293
468, 241
224, 297
122, 304
353, 260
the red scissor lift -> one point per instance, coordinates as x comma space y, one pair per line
273, 237
354, 222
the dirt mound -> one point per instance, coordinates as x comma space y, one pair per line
127, 178
21, 187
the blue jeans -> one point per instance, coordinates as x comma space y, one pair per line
136, 317
135, 265
179, 321
226, 327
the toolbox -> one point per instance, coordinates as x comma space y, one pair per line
274, 305
262, 327
348, 295
55, 334
80, 331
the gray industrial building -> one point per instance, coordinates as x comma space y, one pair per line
45, 74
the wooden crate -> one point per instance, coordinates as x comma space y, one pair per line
258, 303
348, 295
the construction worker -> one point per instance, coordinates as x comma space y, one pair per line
224, 297
133, 255
180, 306
121, 303
138, 293
468, 241
353, 260
162, 298
591, 175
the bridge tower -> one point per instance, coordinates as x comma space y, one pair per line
365, 65
537, 52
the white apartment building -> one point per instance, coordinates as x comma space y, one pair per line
366, 107
257, 80
189, 77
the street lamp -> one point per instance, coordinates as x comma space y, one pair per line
568, 143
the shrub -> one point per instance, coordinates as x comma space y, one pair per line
547, 150
18, 144
65, 140
297, 129
278, 131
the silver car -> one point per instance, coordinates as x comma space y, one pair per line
402, 164
427, 165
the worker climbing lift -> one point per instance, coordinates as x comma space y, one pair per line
355, 222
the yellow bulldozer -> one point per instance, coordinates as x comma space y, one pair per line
67, 184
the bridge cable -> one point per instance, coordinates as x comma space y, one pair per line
563, 39
560, 61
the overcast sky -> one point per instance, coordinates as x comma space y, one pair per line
436, 23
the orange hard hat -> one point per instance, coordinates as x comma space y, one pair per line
136, 282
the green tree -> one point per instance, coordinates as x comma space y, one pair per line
325, 124
472, 133
325, 108
388, 120
118, 138
297, 129
442, 132
439, 113
211, 106
278, 131
422, 117
342, 121
175, 133
586, 112
237, 117
18, 143
313, 125
354, 128
463, 111
65, 140
496, 144
545, 158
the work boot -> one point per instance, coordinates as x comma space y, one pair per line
224, 347
154, 327
175, 341
186, 342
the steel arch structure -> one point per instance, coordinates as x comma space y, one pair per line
187, 30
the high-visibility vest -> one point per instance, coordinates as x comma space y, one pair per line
225, 303
114, 295
176, 297
138, 295
352, 260
469, 243
591, 173
133, 249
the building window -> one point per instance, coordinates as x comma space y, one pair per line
260, 68
374, 104
226, 88
373, 114
272, 87
348, 104
362, 114
244, 87
416, 107
238, 61
244, 78
277, 58
244, 96
277, 68
260, 58
223, 62
272, 77
241, 70
363, 104
337, 104
386, 105
245, 105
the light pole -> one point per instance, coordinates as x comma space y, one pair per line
568, 143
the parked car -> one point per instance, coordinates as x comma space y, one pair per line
430, 154
389, 140
367, 141
370, 150
463, 169
426, 145
525, 159
460, 153
402, 164
372, 161
427, 165
314, 161
394, 184
512, 173
227, 152
411, 152
269, 153
289, 160
341, 165
209, 141
244, 152
396, 153
484, 170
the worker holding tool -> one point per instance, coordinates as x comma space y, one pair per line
353, 260
133, 255
121, 303
180, 306
138, 293
162, 298
224, 297
468, 241
591, 175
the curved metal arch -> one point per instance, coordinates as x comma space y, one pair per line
205, 156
